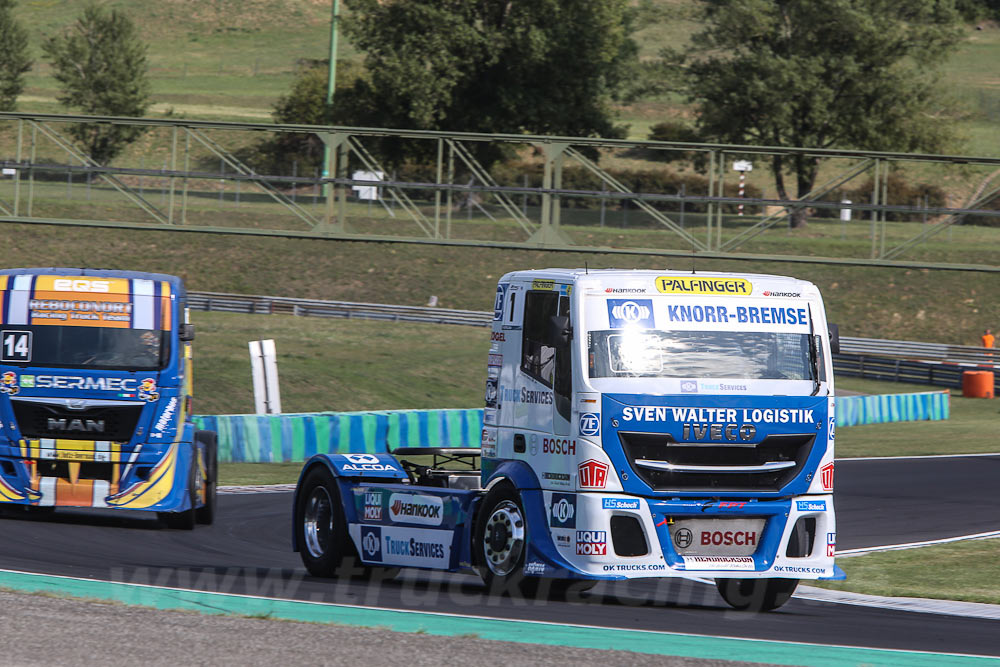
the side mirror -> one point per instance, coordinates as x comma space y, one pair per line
186, 332
560, 333
834, 338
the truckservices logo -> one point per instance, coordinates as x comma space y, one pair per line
413, 508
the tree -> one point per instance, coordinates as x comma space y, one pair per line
821, 74
15, 61
100, 63
545, 66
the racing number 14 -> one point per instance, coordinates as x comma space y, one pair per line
16, 346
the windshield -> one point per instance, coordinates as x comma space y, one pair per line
653, 353
84, 347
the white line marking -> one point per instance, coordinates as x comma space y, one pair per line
915, 456
501, 619
916, 545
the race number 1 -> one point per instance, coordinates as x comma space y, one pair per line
15, 345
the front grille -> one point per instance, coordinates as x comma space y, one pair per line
52, 420
790, 450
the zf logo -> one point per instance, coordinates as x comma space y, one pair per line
590, 424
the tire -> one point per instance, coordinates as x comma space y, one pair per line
500, 542
184, 520
205, 514
756, 594
320, 526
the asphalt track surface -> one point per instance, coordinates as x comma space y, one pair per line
247, 552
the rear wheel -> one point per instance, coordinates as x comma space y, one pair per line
320, 526
205, 514
756, 594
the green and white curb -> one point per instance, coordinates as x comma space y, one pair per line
455, 625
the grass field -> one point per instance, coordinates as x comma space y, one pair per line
225, 58
967, 571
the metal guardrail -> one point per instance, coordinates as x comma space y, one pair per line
269, 305
937, 374
870, 349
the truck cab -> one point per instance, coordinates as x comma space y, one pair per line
95, 395
642, 424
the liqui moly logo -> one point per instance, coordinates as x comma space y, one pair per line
826, 476
593, 474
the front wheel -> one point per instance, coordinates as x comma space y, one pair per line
320, 525
184, 520
756, 594
500, 541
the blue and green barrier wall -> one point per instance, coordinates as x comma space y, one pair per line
297, 436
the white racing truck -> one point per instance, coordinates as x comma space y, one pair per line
638, 424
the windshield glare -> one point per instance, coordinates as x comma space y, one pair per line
652, 353
96, 347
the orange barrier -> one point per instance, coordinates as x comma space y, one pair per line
977, 384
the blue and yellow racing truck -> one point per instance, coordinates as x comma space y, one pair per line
95, 395
637, 424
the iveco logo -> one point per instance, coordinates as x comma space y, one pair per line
630, 311
80, 425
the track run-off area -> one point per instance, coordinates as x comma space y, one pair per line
243, 564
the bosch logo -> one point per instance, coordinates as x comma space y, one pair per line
683, 538
630, 312
558, 446
590, 424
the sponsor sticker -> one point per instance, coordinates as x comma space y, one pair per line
556, 478
563, 510
811, 505
416, 547
826, 476
365, 463
416, 508
619, 504
543, 284
371, 543
494, 360
489, 442
593, 474
831, 544
534, 567
591, 543
739, 563
689, 386
373, 506
695, 285
559, 446
590, 424
631, 313
498, 303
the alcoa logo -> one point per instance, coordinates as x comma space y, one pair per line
365, 463
630, 311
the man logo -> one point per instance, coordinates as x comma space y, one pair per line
630, 312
